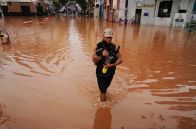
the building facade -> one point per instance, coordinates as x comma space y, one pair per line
24, 7
149, 12
158, 12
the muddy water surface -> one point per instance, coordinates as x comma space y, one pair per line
47, 78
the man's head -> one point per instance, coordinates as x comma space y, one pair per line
108, 34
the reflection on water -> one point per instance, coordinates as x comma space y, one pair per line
4, 118
103, 119
6, 47
185, 123
49, 63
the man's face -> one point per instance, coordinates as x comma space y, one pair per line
108, 39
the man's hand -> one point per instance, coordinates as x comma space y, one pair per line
95, 58
108, 65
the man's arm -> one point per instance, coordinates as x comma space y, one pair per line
95, 58
119, 56
119, 59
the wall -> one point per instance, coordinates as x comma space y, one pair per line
165, 21
176, 6
14, 7
150, 10
152, 18
121, 9
190, 10
130, 10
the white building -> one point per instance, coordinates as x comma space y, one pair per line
157, 12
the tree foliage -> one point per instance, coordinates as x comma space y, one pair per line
82, 3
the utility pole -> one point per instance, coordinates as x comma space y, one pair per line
1, 11
126, 10
155, 5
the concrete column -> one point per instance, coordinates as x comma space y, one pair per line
126, 9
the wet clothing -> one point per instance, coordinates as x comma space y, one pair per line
111, 48
104, 83
104, 79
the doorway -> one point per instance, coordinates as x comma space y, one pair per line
138, 13
25, 10
4, 10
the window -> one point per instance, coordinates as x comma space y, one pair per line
182, 11
165, 9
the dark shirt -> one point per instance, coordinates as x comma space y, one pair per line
111, 48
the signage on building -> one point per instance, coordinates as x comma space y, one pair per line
146, 14
144, 5
179, 19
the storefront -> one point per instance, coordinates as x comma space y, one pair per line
157, 12
137, 11
22, 7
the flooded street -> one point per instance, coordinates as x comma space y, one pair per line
48, 81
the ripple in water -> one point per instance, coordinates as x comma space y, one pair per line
4, 118
171, 73
168, 78
150, 81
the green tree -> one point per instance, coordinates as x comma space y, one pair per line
83, 4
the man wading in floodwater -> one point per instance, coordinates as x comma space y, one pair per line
106, 58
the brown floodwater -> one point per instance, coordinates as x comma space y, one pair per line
47, 78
